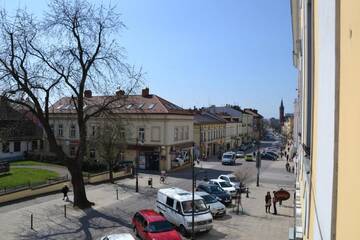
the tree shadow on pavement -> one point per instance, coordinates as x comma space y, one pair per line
81, 227
201, 173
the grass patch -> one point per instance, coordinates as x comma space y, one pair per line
27, 163
22, 176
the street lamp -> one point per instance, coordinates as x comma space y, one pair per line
258, 164
137, 164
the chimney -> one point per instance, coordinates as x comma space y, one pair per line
145, 92
87, 93
120, 93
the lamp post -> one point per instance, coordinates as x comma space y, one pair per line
137, 164
258, 164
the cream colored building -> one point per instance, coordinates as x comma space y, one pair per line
209, 133
326, 52
156, 130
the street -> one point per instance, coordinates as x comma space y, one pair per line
113, 216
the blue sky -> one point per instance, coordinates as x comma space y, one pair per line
204, 52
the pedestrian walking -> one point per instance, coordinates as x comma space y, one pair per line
267, 202
287, 166
274, 203
65, 191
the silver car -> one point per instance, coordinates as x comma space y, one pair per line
217, 209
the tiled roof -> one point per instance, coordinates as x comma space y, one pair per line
151, 104
203, 117
229, 111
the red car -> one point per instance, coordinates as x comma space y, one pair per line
150, 225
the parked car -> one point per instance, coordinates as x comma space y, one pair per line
217, 209
120, 236
226, 186
276, 156
248, 157
228, 158
177, 162
150, 225
216, 191
240, 154
233, 181
267, 156
175, 205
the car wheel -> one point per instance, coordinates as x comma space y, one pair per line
136, 232
183, 231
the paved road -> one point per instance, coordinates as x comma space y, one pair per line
113, 216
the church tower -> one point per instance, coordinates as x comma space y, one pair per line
282, 116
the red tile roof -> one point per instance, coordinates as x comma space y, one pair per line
151, 104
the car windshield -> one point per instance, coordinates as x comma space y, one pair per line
227, 156
216, 189
160, 226
225, 184
199, 206
209, 199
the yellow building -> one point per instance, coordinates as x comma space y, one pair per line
209, 133
326, 42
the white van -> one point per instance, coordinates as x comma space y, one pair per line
175, 205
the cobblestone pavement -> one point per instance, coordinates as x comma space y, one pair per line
112, 215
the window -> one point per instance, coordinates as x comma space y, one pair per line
92, 153
141, 134
187, 132
34, 145
93, 130
52, 127
151, 106
41, 144
178, 207
155, 134
181, 135
60, 130
122, 133
176, 134
141, 105
170, 202
5, 147
72, 131
17, 146
72, 150
128, 106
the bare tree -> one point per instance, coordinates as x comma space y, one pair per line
110, 142
245, 175
74, 47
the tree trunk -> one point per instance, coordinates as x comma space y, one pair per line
80, 199
111, 173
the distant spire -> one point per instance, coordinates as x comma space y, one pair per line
282, 104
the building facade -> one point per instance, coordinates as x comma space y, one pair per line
326, 52
156, 131
209, 133
20, 132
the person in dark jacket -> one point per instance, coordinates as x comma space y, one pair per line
267, 202
274, 203
65, 191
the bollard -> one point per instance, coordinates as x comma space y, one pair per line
31, 221
117, 194
65, 211
150, 182
247, 192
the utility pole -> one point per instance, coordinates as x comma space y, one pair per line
193, 195
258, 165
137, 166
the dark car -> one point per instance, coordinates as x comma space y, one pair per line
216, 191
267, 156
273, 154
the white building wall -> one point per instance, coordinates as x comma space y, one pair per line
326, 117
